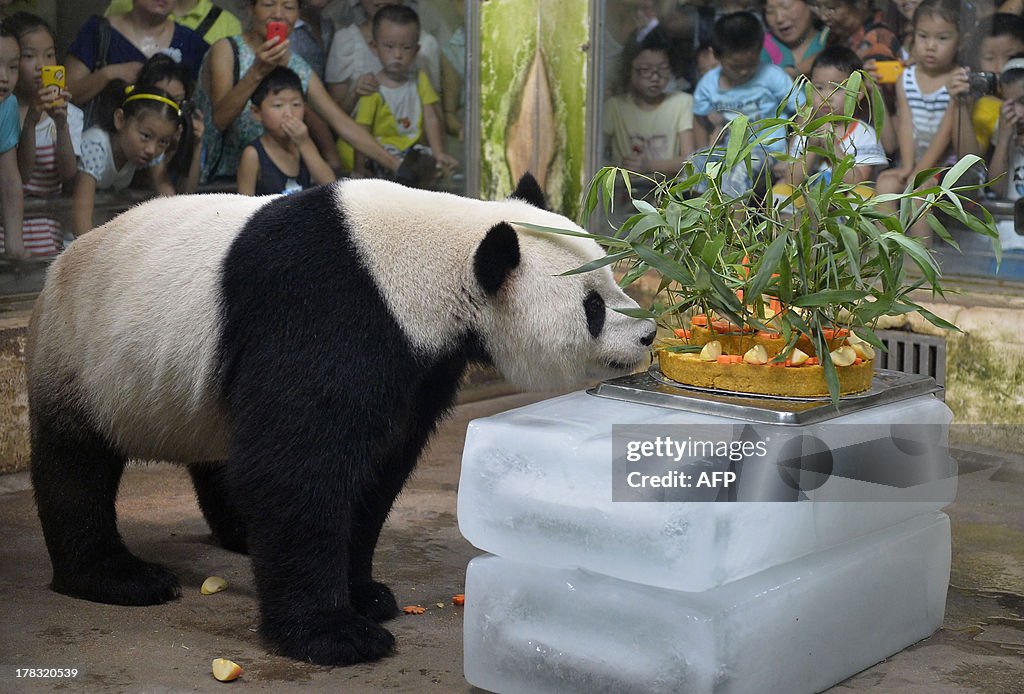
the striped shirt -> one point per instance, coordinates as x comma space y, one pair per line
42, 235
926, 111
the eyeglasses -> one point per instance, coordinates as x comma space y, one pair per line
646, 72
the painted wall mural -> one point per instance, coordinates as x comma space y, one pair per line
533, 86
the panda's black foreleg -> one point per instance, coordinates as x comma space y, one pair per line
372, 598
76, 475
299, 510
218, 507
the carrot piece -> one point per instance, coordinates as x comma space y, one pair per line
739, 295
834, 333
729, 358
459, 600
682, 333
413, 609
811, 361
768, 335
722, 326
699, 319
775, 305
857, 360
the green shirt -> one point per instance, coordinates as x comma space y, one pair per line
226, 25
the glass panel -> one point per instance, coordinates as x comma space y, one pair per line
633, 115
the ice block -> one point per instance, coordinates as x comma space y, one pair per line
536, 486
798, 627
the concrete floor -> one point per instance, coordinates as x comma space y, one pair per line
168, 648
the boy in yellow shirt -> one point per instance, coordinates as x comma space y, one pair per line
403, 113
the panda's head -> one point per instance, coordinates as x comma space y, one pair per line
545, 330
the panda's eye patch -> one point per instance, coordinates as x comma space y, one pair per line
593, 305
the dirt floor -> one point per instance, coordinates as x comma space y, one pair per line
169, 648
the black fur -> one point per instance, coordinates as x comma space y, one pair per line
530, 191
75, 474
497, 255
594, 307
331, 408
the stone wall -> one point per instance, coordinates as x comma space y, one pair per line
13, 396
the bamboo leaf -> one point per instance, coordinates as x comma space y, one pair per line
666, 266
830, 296
636, 312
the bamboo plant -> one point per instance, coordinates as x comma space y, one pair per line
833, 255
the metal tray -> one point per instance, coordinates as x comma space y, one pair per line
652, 388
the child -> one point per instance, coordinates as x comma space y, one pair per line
975, 115
131, 137
1007, 162
648, 130
10, 179
352, 64
401, 114
741, 84
831, 68
283, 159
181, 163
922, 96
51, 132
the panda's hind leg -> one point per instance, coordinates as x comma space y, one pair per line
221, 513
76, 474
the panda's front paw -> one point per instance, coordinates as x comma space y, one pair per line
119, 579
373, 600
338, 638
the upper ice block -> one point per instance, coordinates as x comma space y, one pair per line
537, 486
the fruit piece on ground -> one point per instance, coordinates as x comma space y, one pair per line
213, 584
711, 351
798, 357
843, 356
225, 670
756, 355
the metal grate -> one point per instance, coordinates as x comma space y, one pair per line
914, 354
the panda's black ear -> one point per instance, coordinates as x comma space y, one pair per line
530, 191
496, 256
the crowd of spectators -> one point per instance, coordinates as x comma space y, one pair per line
173, 95
948, 72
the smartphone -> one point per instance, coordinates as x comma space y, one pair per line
278, 30
888, 71
53, 75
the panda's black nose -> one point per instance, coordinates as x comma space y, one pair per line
648, 339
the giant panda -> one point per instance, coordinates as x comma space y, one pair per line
296, 353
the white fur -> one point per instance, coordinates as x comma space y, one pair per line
132, 309
137, 321
419, 245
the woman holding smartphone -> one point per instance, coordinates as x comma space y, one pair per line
252, 56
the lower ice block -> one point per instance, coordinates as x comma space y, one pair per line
537, 486
797, 627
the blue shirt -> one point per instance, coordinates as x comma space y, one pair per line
10, 124
185, 44
757, 98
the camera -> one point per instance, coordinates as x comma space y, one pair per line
981, 83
